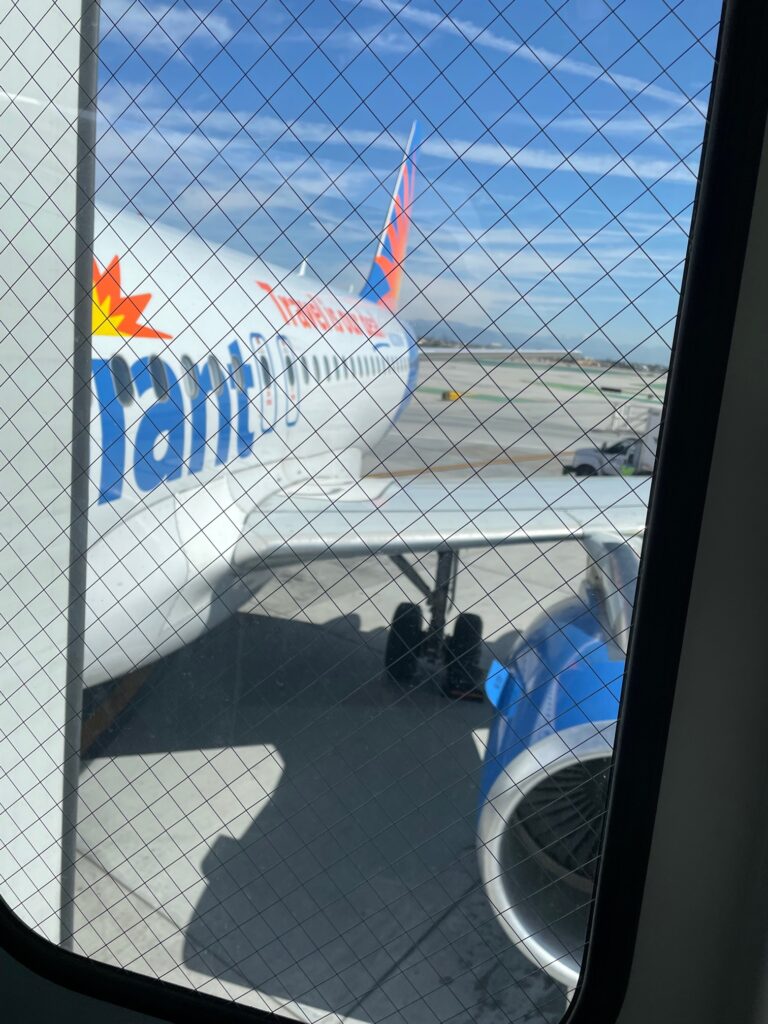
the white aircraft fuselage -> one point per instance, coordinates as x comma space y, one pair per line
220, 385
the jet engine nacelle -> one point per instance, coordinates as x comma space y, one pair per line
547, 764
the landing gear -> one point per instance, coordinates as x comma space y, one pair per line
403, 643
415, 654
462, 661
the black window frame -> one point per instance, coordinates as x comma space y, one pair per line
732, 151
732, 154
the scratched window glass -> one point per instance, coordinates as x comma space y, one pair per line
382, 298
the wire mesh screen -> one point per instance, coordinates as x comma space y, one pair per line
382, 297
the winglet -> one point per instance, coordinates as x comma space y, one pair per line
383, 283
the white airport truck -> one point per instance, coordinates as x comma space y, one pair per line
633, 454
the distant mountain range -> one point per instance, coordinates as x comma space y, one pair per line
453, 333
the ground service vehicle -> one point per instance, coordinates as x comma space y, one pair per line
630, 456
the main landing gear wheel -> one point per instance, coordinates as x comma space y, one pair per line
418, 654
403, 642
462, 658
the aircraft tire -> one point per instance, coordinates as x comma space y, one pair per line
463, 659
403, 641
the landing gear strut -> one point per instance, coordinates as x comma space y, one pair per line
415, 654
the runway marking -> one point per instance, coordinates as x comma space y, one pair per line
470, 394
506, 364
587, 389
453, 467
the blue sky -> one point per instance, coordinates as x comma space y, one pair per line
556, 175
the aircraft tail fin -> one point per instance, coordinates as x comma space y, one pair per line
383, 282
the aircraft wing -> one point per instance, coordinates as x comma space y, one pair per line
378, 517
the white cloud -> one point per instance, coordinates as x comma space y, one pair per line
164, 26
546, 59
625, 124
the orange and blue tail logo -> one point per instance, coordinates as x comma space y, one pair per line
385, 278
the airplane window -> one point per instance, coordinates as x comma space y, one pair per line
159, 378
237, 372
191, 383
123, 381
305, 779
266, 371
217, 374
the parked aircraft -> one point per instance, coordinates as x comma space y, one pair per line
233, 403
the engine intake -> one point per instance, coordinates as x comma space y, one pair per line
539, 842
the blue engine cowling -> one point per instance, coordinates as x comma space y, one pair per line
545, 775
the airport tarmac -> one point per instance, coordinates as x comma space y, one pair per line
511, 417
266, 816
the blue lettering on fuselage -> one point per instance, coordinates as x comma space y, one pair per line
161, 426
171, 440
112, 434
245, 436
224, 406
166, 430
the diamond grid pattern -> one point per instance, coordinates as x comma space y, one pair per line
278, 801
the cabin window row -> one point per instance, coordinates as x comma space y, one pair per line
312, 369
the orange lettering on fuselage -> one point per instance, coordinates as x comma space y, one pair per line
322, 318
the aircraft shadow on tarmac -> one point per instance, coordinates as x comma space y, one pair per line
355, 889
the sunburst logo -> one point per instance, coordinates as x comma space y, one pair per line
114, 313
